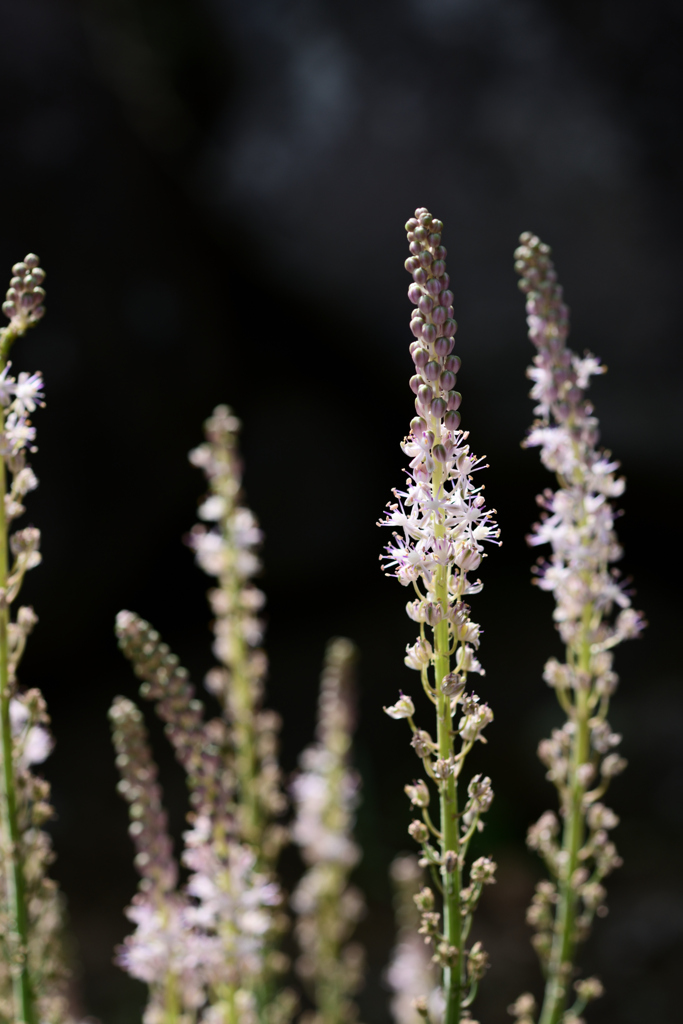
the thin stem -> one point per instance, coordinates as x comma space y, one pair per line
241, 711
448, 796
564, 938
18, 923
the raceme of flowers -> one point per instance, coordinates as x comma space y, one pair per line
440, 524
325, 794
33, 973
593, 614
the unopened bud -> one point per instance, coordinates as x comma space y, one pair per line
468, 559
452, 685
443, 347
422, 743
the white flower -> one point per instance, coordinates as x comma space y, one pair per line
28, 392
403, 708
18, 433
213, 508
418, 656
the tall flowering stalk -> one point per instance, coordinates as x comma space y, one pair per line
163, 951
228, 551
32, 973
325, 795
441, 523
210, 948
593, 614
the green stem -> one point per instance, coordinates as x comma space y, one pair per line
448, 795
18, 918
564, 939
241, 710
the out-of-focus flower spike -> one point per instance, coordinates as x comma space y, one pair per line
411, 974
167, 684
325, 795
228, 550
593, 614
141, 791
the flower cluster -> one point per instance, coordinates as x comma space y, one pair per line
440, 525
23, 304
593, 614
325, 795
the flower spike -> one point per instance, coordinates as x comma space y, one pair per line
440, 525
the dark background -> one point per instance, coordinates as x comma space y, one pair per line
218, 191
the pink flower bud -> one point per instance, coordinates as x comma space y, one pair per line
443, 346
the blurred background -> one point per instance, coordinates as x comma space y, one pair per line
217, 190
